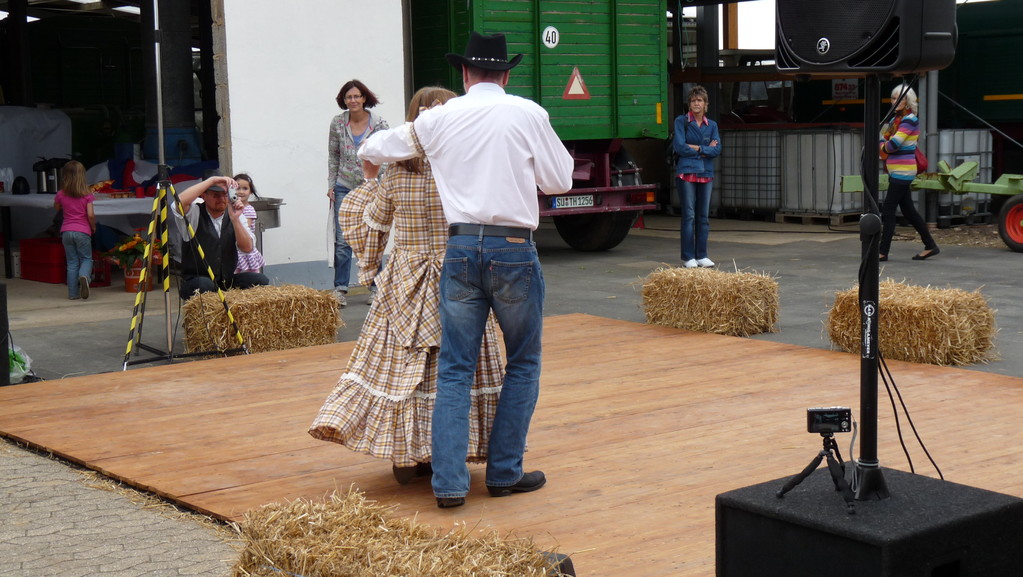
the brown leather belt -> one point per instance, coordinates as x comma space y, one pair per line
489, 230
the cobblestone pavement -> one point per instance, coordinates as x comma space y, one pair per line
55, 522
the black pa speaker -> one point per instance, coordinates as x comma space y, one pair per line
927, 528
852, 39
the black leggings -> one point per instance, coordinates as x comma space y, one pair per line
899, 197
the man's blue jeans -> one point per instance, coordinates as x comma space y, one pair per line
481, 274
342, 250
695, 199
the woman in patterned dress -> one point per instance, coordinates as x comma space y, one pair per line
383, 403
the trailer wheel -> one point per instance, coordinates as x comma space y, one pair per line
1010, 223
595, 232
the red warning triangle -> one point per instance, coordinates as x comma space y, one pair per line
576, 89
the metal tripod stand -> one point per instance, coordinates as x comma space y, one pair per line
835, 466
165, 201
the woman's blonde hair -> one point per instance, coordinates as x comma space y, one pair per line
910, 97
426, 97
698, 92
72, 179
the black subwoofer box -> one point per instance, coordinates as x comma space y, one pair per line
926, 528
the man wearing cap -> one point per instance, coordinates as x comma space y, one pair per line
220, 240
489, 152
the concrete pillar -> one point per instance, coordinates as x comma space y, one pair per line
221, 91
19, 70
928, 113
707, 53
181, 139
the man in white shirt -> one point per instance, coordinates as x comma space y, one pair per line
489, 152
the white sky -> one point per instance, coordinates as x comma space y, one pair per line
756, 25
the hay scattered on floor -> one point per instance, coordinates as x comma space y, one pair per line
151, 502
947, 327
348, 535
137, 497
271, 318
712, 301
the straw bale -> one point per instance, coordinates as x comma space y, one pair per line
947, 327
348, 535
712, 301
270, 318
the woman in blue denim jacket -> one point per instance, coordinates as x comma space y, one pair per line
696, 142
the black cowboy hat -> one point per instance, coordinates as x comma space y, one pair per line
486, 51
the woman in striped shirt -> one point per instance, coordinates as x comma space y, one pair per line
898, 149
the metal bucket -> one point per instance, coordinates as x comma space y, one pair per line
268, 215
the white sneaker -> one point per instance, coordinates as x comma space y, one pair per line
342, 298
705, 263
691, 263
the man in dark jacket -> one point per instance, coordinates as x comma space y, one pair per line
220, 238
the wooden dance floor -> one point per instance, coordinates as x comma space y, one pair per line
638, 428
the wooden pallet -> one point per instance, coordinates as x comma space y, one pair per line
839, 219
638, 428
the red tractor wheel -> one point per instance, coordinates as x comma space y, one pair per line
1010, 223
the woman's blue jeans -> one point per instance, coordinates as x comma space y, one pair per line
481, 274
78, 253
695, 199
342, 250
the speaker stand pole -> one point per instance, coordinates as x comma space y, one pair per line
870, 483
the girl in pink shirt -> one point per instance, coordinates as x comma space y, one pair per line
75, 200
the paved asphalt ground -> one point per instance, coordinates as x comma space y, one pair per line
56, 520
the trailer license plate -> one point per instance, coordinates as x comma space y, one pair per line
573, 201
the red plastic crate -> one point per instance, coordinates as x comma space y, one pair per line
43, 272
47, 250
100, 270
42, 259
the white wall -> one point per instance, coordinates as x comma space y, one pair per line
285, 64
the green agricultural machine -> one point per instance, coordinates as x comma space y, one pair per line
959, 180
598, 67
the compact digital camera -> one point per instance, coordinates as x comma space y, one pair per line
232, 194
829, 420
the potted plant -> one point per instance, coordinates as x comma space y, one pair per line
129, 254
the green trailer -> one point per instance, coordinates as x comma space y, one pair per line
598, 67
959, 180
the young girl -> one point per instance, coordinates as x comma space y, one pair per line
248, 261
75, 200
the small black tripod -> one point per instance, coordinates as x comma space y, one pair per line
835, 466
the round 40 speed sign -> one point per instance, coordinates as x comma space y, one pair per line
551, 37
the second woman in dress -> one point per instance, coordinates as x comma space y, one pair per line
383, 402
